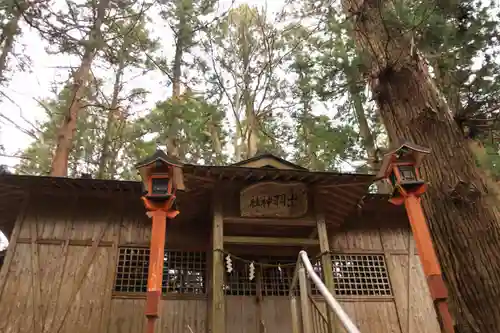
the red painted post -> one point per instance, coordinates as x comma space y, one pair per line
429, 260
155, 273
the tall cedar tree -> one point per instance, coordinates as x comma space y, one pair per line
245, 52
463, 220
91, 45
184, 17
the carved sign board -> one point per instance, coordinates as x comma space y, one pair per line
271, 199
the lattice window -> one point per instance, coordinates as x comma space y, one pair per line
183, 272
132, 270
318, 269
360, 275
276, 282
238, 282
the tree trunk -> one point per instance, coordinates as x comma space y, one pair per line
8, 36
173, 144
252, 132
444, 79
67, 129
113, 111
464, 225
364, 130
368, 141
311, 152
216, 143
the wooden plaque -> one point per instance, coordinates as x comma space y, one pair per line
272, 199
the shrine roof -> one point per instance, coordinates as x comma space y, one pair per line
268, 160
339, 193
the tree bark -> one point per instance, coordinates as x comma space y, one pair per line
113, 111
464, 225
368, 141
364, 129
59, 167
8, 36
444, 79
216, 142
173, 144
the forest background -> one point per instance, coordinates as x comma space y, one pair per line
90, 87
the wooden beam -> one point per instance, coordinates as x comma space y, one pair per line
36, 289
278, 251
218, 316
301, 222
269, 240
326, 263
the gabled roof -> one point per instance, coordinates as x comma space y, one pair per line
159, 155
339, 193
268, 160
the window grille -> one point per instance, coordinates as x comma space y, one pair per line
183, 272
276, 282
360, 275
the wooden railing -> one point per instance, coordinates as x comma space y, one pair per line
307, 316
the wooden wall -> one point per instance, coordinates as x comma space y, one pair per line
59, 271
392, 314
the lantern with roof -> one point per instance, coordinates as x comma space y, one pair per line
400, 168
161, 177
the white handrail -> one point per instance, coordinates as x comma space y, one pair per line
330, 300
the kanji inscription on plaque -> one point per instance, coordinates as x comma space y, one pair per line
272, 199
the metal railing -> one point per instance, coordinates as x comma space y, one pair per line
310, 318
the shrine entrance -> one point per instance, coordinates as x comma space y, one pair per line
266, 224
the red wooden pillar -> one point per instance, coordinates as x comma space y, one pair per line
429, 260
155, 273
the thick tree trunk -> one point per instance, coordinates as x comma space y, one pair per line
464, 225
67, 129
444, 79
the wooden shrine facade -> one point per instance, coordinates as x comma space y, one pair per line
78, 254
